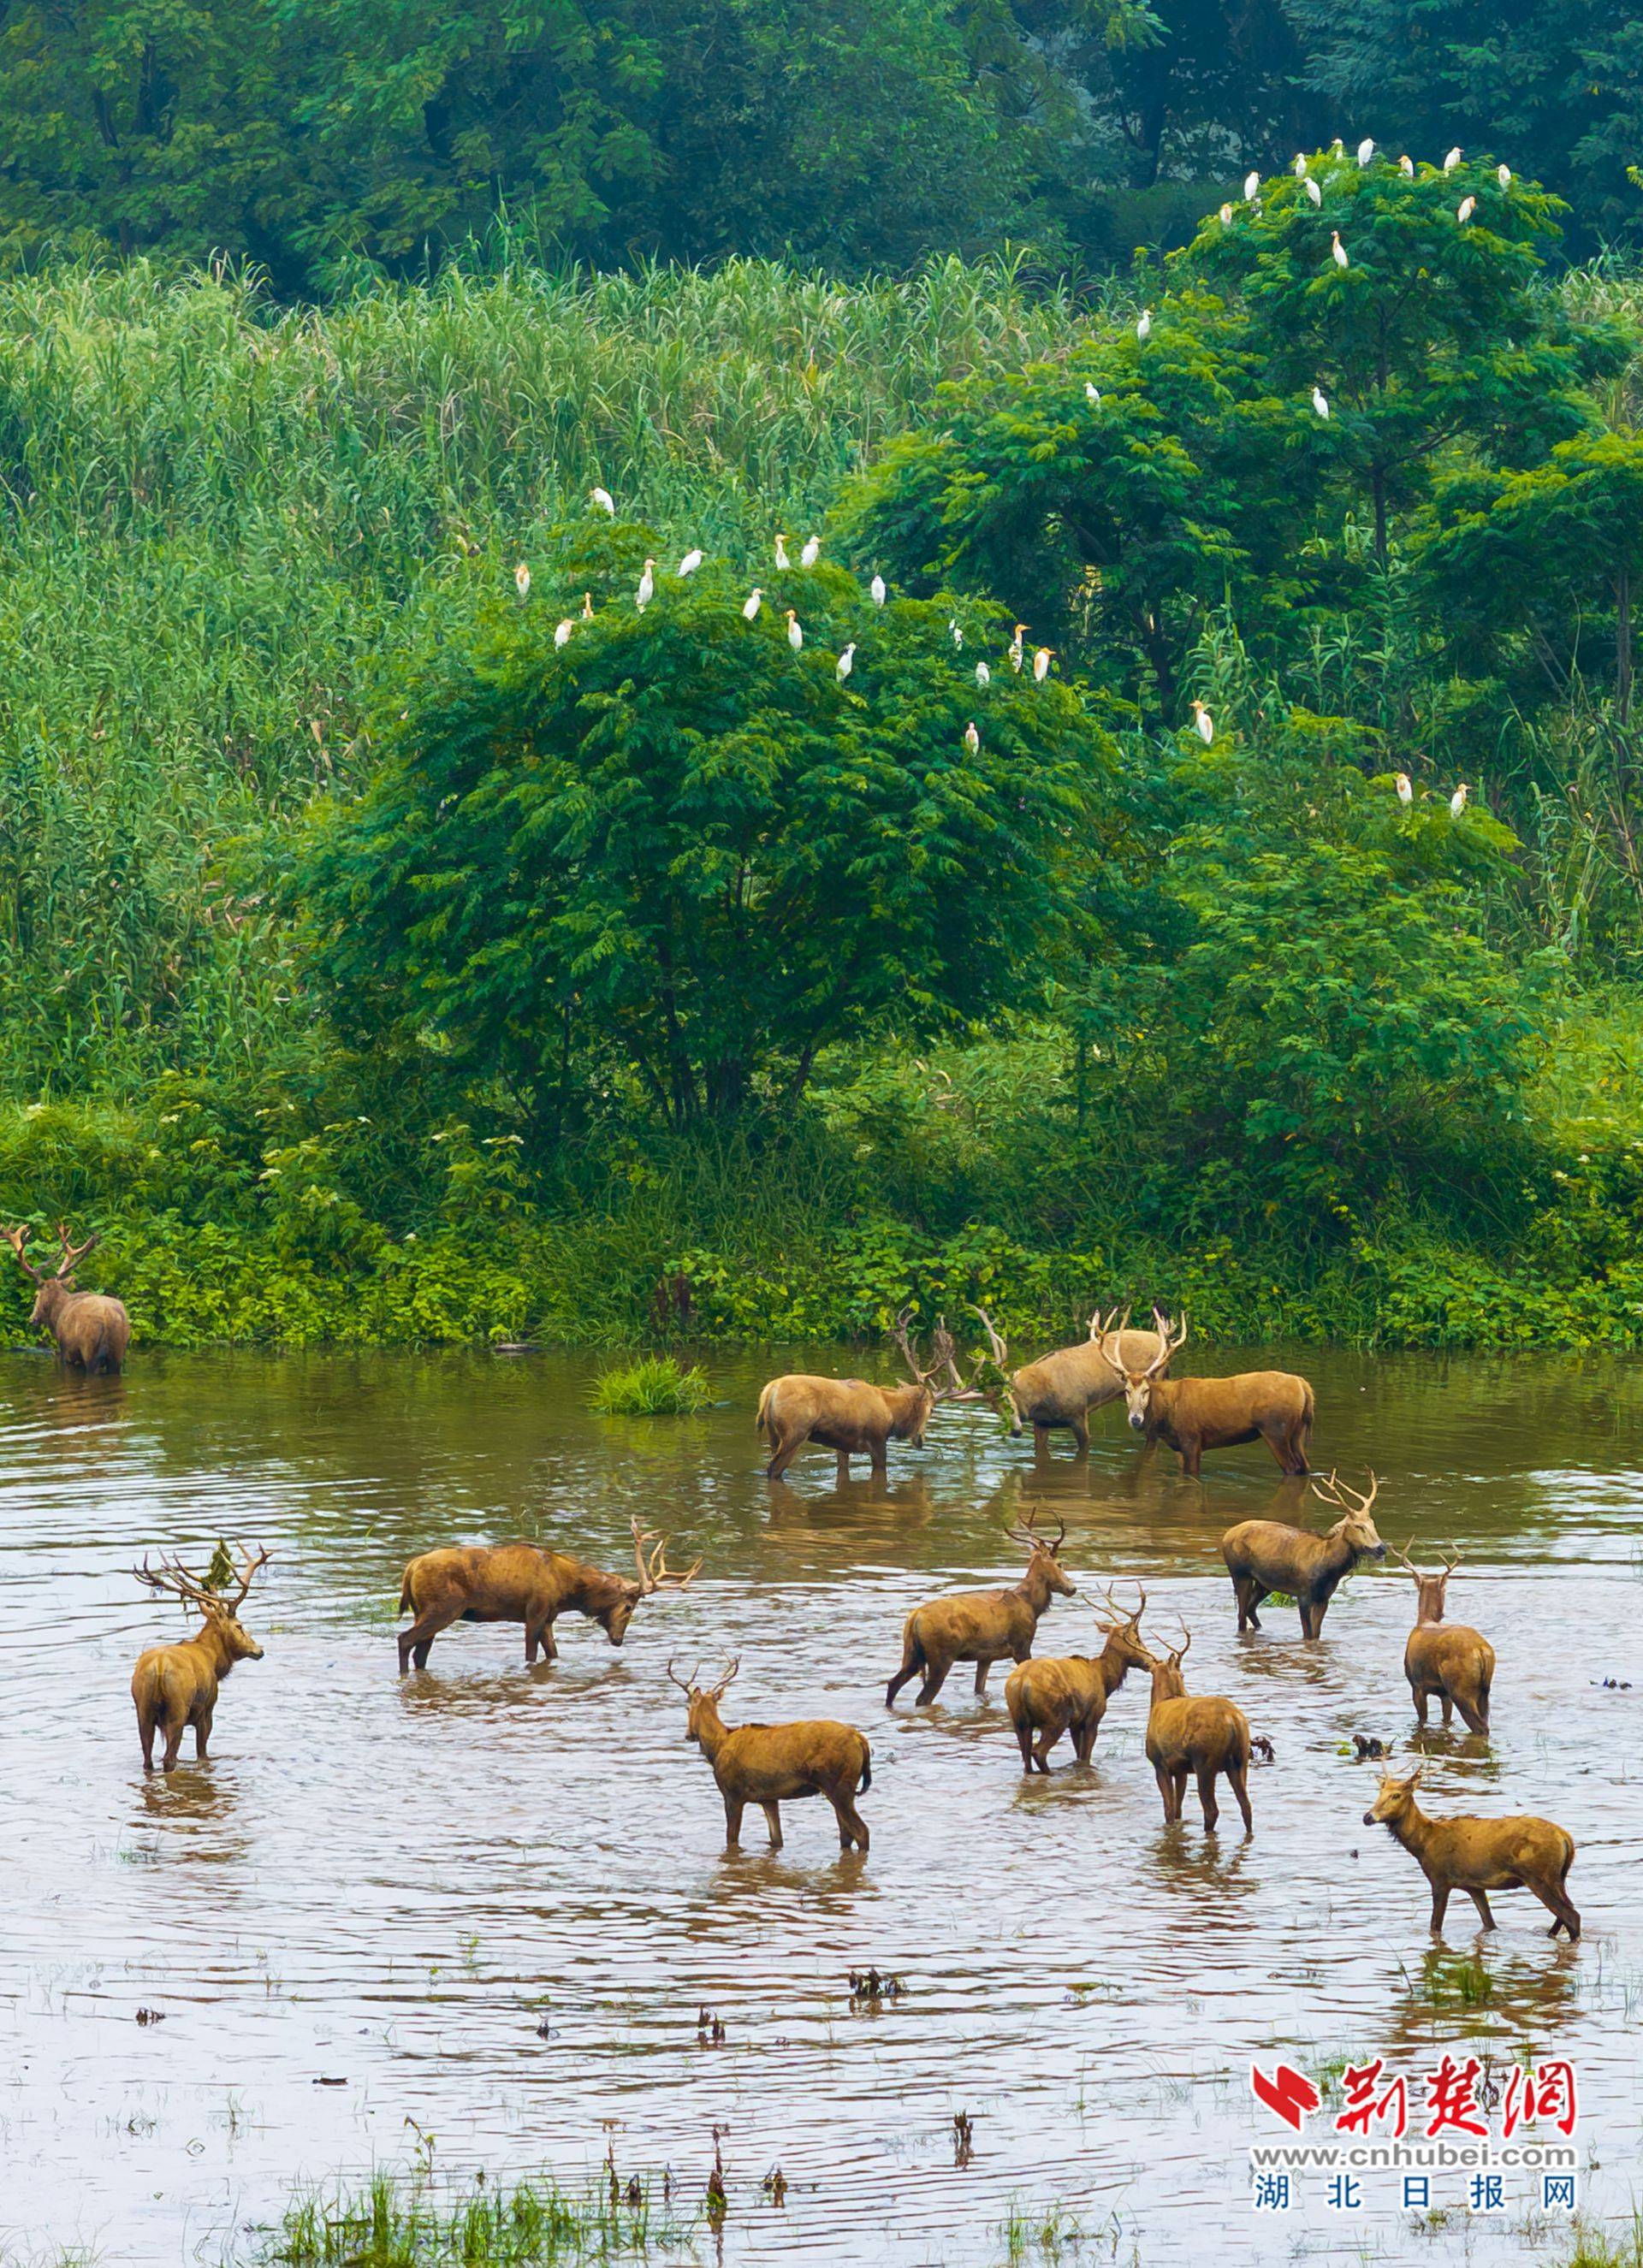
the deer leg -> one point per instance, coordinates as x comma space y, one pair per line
1565, 1917
1042, 1746
1024, 1741
1447, 1706
773, 1821
145, 1733
1079, 1428
416, 1641
879, 1459
173, 1742
1482, 1904
1191, 1459
982, 1668
1041, 1441
912, 1663
1418, 1694
1166, 1788
840, 1469
935, 1678
1238, 1780
782, 1454
1206, 1796
201, 1734
851, 1826
1311, 1617
1178, 1783
1440, 1905
734, 1808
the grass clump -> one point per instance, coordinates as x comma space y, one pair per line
406, 2223
658, 1387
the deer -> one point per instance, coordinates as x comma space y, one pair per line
852, 1417
983, 1626
1464, 1852
773, 1764
1048, 1696
1265, 1555
1190, 1415
1445, 1661
523, 1583
1061, 1389
1205, 1735
175, 1686
92, 1331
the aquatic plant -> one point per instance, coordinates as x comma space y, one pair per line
414, 2221
658, 1387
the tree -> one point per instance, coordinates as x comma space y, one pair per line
676, 850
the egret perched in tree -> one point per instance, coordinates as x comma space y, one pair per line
1092, 393
1365, 151
812, 551
561, 633
983, 675
1405, 792
1503, 174
1337, 250
1144, 326
647, 584
1457, 801
603, 500
1225, 216
1300, 165
972, 738
957, 636
1337, 148
1251, 187
795, 635
846, 662
1464, 210
1015, 647
1314, 191
1205, 721
1406, 166
751, 604
1320, 402
689, 565
1041, 665
782, 560
1453, 159
587, 606
876, 589
522, 580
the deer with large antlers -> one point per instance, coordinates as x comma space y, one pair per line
983, 1626
1445, 1662
92, 1331
1060, 1391
1203, 1734
523, 1583
853, 1418
773, 1764
1190, 1415
1266, 1555
175, 1686
1476, 1855
1047, 1696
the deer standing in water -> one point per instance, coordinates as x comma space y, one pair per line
1203, 1735
773, 1764
1047, 1697
1479, 1855
523, 1583
1266, 1555
1445, 1662
1190, 1415
175, 1686
852, 1418
983, 1626
1060, 1391
92, 1331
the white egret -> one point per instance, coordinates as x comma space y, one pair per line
1041, 665
647, 584
1337, 148
983, 675
1016, 647
561, 633
1320, 402
522, 580
1314, 191
1225, 216
1143, 328
689, 565
1464, 210
1300, 167
876, 589
603, 500
1251, 187
1405, 791
587, 606
1337, 250
1205, 721
751, 604
1406, 166
1092, 393
972, 738
1457, 801
781, 561
845, 663
1365, 151
795, 635
1453, 159
956, 635
812, 551
1503, 174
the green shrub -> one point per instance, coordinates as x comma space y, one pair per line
658, 1387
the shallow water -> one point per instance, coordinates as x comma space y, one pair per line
398, 1884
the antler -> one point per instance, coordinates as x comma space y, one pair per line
1336, 1492
73, 1255
655, 1574
252, 1561
1025, 1531
17, 1238
1123, 1614
898, 1332
1449, 1565
172, 1575
999, 1347
1170, 1342
717, 1692
1185, 1646
686, 1685
1402, 1552
1107, 1326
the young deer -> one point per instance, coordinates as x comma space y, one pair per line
1265, 1555
1061, 1389
1205, 1737
1049, 1696
522, 1583
1190, 1415
175, 1686
1445, 1661
773, 1764
982, 1626
92, 1330
1479, 1855
852, 1417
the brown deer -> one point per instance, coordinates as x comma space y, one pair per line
773, 1764
1445, 1661
1202, 1736
1265, 1555
522, 1583
1479, 1855
92, 1330
982, 1626
1048, 1696
1061, 1389
175, 1686
1191, 1415
852, 1417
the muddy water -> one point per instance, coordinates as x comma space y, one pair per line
492, 1901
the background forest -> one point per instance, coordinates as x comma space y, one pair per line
404, 933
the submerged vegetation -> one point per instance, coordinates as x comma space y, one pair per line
419, 2223
656, 1388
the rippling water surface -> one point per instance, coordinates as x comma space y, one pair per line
492, 1901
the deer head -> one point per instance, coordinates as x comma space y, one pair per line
1169, 1683
53, 1290
1355, 1528
221, 1608
1429, 1589
1043, 1554
655, 1574
1395, 1800
702, 1701
1139, 1384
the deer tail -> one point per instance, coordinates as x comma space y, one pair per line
866, 1777
760, 1423
405, 1592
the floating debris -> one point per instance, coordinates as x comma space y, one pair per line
1613, 1684
963, 2137
775, 2185
1368, 1746
874, 1985
1261, 1749
709, 2028
150, 2016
